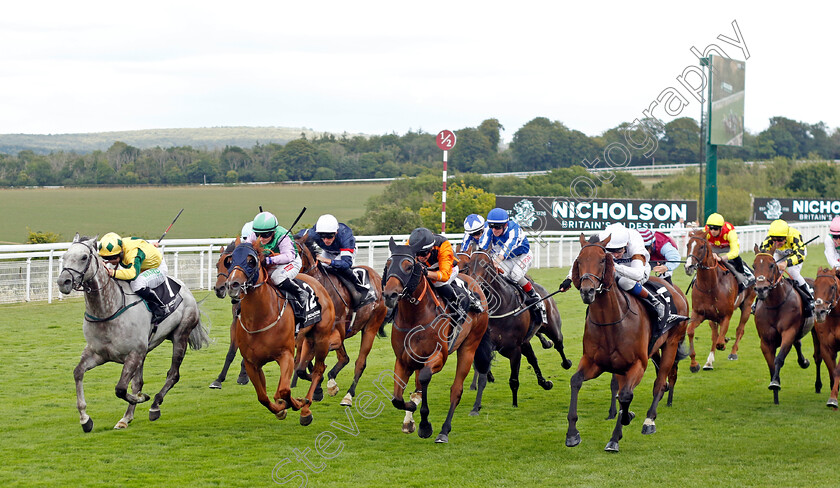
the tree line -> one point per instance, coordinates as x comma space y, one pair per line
540, 144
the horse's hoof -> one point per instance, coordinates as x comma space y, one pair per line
425, 430
547, 385
573, 440
547, 344
88, 426
649, 427
474, 412
612, 446
318, 395
332, 387
122, 424
442, 439
567, 364
305, 420
695, 368
708, 367
610, 416
472, 386
720, 347
832, 402
216, 385
242, 379
408, 427
804, 364
154, 414
774, 385
347, 401
733, 357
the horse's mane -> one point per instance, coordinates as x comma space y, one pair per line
310, 244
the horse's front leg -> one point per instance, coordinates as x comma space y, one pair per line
528, 352
136, 388
692, 325
180, 340
613, 397
231, 355
255, 373
368, 336
424, 376
343, 360
586, 371
800, 358
320, 350
89, 361
133, 361
627, 384
401, 377
739, 331
465, 359
788, 339
718, 342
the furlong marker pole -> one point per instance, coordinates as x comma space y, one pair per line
443, 197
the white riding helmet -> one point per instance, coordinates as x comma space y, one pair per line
247, 229
620, 236
473, 223
327, 224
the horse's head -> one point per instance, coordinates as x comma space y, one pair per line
699, 253
81, 263
223, 269
592, 271
308, 253
767, 274
402, 274
826, 293
245, 268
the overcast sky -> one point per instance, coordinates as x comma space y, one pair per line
382, 67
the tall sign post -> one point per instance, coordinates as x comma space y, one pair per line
445, 141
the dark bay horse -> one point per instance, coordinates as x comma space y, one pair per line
220, 288
265, 330
714, 297
778, 317
616, 339
510, 334
367, 319
420, 335
827, 329
117, 327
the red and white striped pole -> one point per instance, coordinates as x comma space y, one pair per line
445, 141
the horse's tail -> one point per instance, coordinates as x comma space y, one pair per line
199, 336
483, 354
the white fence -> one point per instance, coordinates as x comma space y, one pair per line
29, 272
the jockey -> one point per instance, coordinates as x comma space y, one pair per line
474, 228
832, 244
512, 253
139, 263
724, 240
663, 253
435, 252
786, 244
339, 250
246, 230
280, 257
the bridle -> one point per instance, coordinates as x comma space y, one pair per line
74, 273
599, 279
253, 277
409, 285
834, 297
702, 259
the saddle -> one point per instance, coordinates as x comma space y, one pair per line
310, 312
358, 297
168, 294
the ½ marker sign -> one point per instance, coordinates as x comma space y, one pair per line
445, 140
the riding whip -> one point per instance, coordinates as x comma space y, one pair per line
289, 229
170, 226
786, 253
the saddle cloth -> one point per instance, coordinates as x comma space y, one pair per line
168, 293
311, 312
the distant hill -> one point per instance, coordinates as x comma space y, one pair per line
202, 138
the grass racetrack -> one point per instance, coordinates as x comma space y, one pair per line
723, 429
209, 211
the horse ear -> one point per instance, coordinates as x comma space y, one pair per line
606, 241
576, 274
755, 248
609, 267
392, 245
76, 238
582, 240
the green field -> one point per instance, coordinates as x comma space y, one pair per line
723, 429
210, 211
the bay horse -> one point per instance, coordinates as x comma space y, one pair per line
827, 329
265, 330
367, 319
420, 335
509, 332
220, 287
117, 330
714, 297
616, 339
778, 318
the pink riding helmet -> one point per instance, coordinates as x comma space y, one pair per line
647, 236
834, 228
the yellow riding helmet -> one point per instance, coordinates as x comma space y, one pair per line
778, 228
110, 245
715, 219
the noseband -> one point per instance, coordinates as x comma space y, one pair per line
413, 280
252, 277
599, 279
82, 284
705, 255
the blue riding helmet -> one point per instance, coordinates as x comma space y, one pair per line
498, 216
473, 223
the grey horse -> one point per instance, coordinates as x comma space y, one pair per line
117, 327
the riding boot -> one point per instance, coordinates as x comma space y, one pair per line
359, 295
300, 295
156, 306
809, 299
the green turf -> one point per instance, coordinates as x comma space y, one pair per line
723, 429
209, 211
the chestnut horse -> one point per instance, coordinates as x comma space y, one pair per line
827, 329
220, 288
616, 339
714, 297
778, 317
367, 319
509, 332
265, 330
420, 335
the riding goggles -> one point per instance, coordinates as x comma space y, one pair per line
714, 227
778, 239
835, 236
496, 226
422, 254
265, 235
479, 232
326, 235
